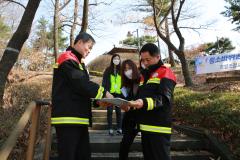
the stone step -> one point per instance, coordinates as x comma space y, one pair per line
102, 126
186, 155
103, 119
102, 113
175, 155
102, 142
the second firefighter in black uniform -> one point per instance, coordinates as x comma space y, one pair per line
154, 102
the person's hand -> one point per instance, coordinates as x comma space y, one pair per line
103, 104
125, 107
108, 95
136, 104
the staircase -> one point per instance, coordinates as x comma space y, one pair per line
105, 147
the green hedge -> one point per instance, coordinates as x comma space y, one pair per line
216, 112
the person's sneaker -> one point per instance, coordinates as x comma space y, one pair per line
119, 131
139, 134
110, 132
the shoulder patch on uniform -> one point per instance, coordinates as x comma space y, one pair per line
154, 75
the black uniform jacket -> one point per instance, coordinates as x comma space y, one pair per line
156, 89
72, 90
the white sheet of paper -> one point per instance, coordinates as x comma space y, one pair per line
124, 91
114, 101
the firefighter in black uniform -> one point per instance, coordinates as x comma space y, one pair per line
71, 93
155, 103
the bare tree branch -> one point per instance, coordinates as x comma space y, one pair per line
98, 3
164, 38
133, 22
64, 5
71, 23
175, 26
167, 13
180, 9
12, 1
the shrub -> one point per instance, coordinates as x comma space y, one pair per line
217, 112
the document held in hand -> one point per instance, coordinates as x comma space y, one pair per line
114, 101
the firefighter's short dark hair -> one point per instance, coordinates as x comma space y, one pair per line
85, 37
151, 48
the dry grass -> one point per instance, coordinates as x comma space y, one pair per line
102, 62
17, 97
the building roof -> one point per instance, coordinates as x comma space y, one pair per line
123, 49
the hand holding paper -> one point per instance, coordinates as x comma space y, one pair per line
132, 104
103, 104
108, 95
136, 104
113, 101
125, 107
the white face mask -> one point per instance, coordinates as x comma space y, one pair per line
128, 74
143, 66
116, 61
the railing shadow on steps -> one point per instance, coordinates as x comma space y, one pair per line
214, 145
32, 112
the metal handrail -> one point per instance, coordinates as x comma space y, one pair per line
33, 112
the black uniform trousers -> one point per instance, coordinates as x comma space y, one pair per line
130, 131
156, 146
73, 143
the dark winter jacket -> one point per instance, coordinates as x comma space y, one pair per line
156, 89
72, 90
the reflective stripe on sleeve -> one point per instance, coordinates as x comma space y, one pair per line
100, 93
156, 129
154, 80
69, 120
80, 67
150, 104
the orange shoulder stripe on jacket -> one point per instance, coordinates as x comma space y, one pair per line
66, 56
164, 72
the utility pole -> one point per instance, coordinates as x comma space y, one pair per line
217, 45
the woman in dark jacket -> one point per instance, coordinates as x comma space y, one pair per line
130, 81
112, 83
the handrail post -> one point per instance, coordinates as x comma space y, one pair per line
48, 135
33, 131
11, 140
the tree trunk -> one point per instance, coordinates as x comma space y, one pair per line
15, 44
75, 15
55, 30
185, 69
85, 16
170, 54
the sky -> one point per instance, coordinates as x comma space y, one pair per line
207, 10
111, 31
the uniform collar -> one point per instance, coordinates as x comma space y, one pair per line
153, 67
147, 72
76, 53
